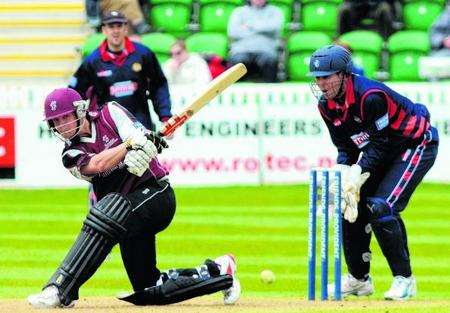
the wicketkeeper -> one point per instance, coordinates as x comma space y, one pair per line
135, 201
385, 146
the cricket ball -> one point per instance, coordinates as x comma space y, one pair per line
267, 277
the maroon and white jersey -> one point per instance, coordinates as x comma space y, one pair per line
109, 127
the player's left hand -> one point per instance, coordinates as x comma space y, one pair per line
352, 180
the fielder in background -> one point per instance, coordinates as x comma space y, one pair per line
110, 149
385, 146
124, 71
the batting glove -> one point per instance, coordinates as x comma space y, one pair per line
137, 161
137, 139
157, 140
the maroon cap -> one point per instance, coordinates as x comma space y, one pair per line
60, 102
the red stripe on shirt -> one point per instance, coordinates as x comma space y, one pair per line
421, 128
410, 125
400, 118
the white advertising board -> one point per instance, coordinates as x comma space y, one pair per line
252, 134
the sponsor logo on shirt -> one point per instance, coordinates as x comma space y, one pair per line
105, 73
122, 89
382, 122
360, 139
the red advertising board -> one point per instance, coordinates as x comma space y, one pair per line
7, 143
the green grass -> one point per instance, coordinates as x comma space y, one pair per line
265, 227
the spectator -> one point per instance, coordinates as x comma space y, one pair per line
124, 71
440, 34
353, 13
254, 30
184, 67
355, 68
130, 8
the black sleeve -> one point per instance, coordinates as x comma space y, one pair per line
158, 88
347, 153
376, 120
81, 80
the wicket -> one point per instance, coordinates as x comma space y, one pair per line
324, 204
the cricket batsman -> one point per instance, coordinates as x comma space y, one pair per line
385, 147
110, 149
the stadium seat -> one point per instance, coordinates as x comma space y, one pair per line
286, 6
405, 49
160, 44
214, 14
208, 43
91, 43
300, 46
320, 15
172, 16
420, 14
366, 46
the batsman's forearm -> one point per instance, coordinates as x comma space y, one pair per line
105, 160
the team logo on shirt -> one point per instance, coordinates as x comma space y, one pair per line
137, 67
108, 142
360, 139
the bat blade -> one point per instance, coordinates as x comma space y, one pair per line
212, 90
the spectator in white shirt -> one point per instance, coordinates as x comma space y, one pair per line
184, 67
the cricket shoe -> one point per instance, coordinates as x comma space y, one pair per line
402, 288
228, 265
47, 299
352, 286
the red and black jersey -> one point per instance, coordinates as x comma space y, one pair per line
130, 78
373, 119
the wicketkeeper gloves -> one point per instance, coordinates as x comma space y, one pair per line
352, 180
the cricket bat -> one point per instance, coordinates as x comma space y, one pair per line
214, 88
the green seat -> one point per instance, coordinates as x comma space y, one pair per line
366, 46
171, 16
286, 6
160, 44
419, 15
320, 15
300, 46
208, 43
91, 43
214, 14
405, 49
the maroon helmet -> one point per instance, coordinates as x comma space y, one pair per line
63, 101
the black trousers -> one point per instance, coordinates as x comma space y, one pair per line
153, 210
